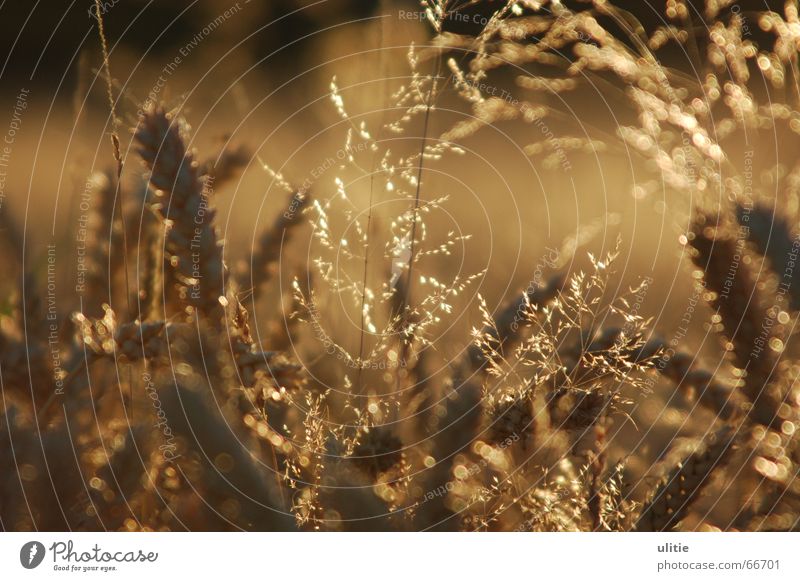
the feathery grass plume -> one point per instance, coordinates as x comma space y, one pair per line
317, 446
734, 292
584, 368
673, 497
506, 329
491, 110
271, 371
581, 374
561, 48
375, 449
586, 371
417, 400
344, 244
615, 509
183, 200
684, 125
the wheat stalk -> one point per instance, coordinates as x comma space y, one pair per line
675, 494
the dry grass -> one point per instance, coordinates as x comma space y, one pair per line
185, 393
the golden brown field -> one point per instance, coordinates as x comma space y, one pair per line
457, 265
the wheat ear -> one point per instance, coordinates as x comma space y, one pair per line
738, 301
265, 256
771, 235
191, 244
682, 486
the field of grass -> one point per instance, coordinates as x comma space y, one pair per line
462, 265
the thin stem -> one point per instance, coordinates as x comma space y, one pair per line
364, 285
420, 168
362, 334
118, 194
